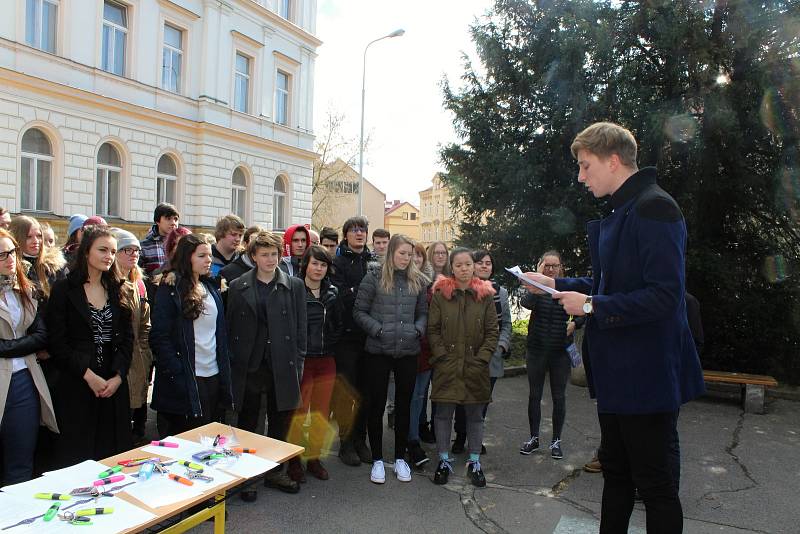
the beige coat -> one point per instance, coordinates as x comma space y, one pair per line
48, 416
142, 358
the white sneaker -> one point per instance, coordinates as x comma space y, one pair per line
402, 470
378, 474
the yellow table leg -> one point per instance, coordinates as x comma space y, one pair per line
217, 512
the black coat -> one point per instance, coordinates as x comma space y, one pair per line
236, 268
90, 427
172, 341
286, 319
325, 320
349, 268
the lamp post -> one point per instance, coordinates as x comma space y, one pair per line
396, 33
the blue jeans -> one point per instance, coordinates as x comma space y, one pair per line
20, 428
418, 399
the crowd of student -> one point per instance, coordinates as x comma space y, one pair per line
318, 326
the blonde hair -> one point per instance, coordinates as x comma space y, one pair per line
49, 260
603, 139
416, 280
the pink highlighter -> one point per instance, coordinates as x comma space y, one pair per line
108, 480
164, 444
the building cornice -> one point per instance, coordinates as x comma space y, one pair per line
139, 114
279, 21
169, 4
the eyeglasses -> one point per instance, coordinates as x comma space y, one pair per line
440, 253
4, 255
131, 251
552, 266
358, 230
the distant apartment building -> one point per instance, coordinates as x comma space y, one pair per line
438, 222
109, 107
402, 218
335, 197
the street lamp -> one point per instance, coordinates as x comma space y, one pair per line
396, 33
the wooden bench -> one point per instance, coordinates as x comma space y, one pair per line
753, 387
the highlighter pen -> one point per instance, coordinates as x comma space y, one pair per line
110, 471
182, 480
94, 511
164, 444
135, 461
241, 450
53, 496
108, 480
192, 465
51, 512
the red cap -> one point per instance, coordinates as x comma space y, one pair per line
95, 220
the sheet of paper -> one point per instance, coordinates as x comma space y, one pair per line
160, 490
14, 509
516, 271
246, 465
185, 448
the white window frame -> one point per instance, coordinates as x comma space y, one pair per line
248, 77
279, 219
291, 68
116, 28
101, 205
285, 9
33, 162
172, 53
239, 192
162, 180
37, 32
287, 98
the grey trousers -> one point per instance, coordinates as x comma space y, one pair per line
443, 423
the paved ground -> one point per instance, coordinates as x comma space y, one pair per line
741, 473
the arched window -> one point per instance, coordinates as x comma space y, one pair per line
167, 180
109, 171
239, 193
37, 166
279, 204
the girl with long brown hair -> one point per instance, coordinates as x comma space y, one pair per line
46, 263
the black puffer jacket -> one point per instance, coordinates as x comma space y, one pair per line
348, 269
547, 328
325, 320
394, 322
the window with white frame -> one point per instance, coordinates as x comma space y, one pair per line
109, 172
279, 204
166, 180
282, 80
239, 193
36, 171
172, 59
41, 23
285, 9
115, 35
241, 90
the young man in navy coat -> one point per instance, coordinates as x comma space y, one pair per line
642, 363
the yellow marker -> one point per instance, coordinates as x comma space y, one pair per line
52, 496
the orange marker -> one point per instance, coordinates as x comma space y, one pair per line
182, 480
241, 450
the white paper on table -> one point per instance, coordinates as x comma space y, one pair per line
246, 465
160, 490
185, 448
26, 490
14, 508
516, 271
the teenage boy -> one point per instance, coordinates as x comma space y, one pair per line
242, 263
228, 233
329, 238
165, 219
266, 314
642, 364
380, 242
295, 242
351, 393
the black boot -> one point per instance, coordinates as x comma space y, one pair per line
458, 444
347, 453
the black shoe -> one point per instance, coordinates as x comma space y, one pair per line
249, 495
483, 449
390, 420
347, 453
458, 444
442, 473
475, 474
417, 455
280, 481
555, 449
363, 452
426, 434
529, 446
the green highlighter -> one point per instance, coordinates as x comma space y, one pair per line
94, 511
110, 471
52, 511
52, 496
192, 465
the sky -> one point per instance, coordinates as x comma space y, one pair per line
404, 116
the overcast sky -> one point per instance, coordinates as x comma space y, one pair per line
404, 113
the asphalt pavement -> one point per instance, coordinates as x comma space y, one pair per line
740, 474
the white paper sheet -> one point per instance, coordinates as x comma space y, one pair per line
185, 448
14, 509
160, 490
246, 465
516, 271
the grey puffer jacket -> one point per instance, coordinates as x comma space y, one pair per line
394, 322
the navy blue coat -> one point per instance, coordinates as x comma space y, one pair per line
172, 341
641, 355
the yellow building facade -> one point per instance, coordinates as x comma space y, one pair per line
402, 218
438, 221
334, 197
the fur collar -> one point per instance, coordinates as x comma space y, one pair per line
480, 289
